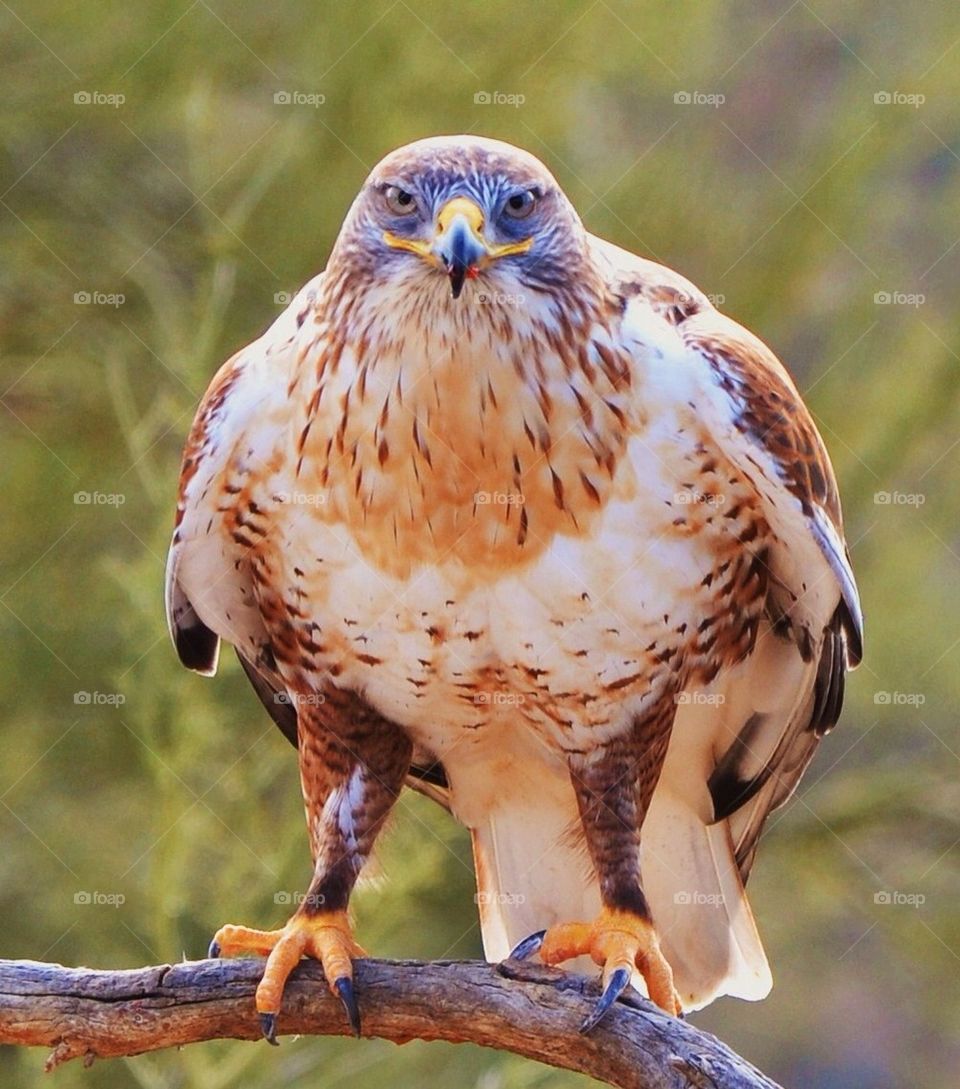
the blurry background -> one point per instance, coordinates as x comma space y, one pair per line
170, 172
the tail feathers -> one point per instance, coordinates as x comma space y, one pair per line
532, 871
700, 908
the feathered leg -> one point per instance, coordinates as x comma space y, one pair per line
352, 766
613, 792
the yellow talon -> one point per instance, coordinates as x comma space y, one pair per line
326, 936
616, 940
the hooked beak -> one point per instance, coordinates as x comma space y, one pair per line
458, 243
458, 246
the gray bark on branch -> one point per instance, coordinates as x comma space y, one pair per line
528, 1009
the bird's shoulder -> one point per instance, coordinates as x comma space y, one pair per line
246, 396
671, 296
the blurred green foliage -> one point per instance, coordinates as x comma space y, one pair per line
201, 200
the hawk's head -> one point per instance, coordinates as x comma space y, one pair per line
438, 213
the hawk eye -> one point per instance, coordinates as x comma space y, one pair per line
520, 205
399, 201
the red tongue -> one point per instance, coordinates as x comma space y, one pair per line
473, 272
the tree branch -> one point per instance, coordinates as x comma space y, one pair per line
524, 1008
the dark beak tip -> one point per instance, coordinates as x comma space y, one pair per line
458, 275
461, 254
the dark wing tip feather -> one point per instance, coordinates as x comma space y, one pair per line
427, 776
853, 630
272, 695
197, 647
831, 671
729, 790
434, 775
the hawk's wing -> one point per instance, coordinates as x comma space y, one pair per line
239, 424
778, 707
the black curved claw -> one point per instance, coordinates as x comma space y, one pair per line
526, 948
268, 1026
344, 988
214, 949
615, 987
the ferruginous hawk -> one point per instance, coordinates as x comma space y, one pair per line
502, 512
